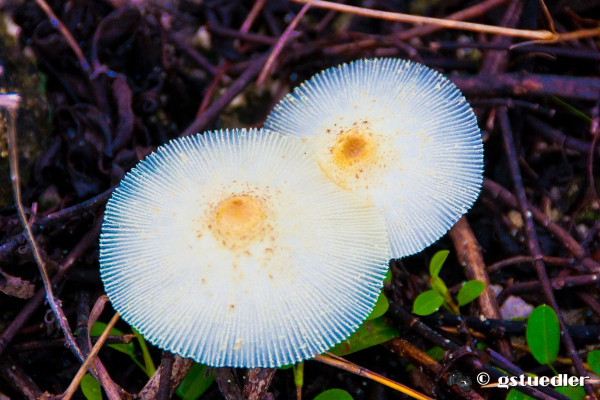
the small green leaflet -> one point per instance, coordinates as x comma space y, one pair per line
381, 306
334, 394
148, 363
469, 292
514, 394
543, 334
428, 302
90, 387
572, 392
593, 360
369, 334
99, 327
437, 261
195, 383
388, 276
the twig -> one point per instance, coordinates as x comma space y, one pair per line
556, 283
527, 259
234, 33
558, 137
533, 244
495, 61
498, 192
58, 24
164, 383
53, 219
257, 383
85, 344
463, 15
469, 256
37, 345
511, 103
346, 365
590, 301
36, 301
547, 16
588, 334
212, 87
90, 358
426, 364
444, 23
283, 40
526, 84
552, 50
215, 108
591, 153
258, 5
181, 367
17, 378
228, 383
10, 101
412, 322
180, 41
14, 172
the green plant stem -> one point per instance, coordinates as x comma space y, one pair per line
298, 379
150, 368
572, 109
552, 368
450, 305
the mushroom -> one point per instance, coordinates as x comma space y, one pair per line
232, 248
395, 133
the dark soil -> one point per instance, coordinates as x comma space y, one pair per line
155, 70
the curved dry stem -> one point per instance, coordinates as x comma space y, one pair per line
341, 363
539, 36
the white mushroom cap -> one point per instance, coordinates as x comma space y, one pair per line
397, 134
232, 248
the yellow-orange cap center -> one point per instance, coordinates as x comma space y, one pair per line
238, 219
353, 147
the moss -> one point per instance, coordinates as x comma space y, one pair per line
20, 75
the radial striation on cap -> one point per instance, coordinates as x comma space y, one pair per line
234, 249
395, 133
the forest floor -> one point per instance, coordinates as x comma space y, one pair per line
137, 74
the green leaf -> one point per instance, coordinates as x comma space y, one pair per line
195, 383
428, 302
438, 284
437, 261
334, 394
388, 276
543, 334
127, 348
436, 352
469, 292
593, 360
514, 394
369, 334
90, 387
572, 392
482, 346
381, 306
